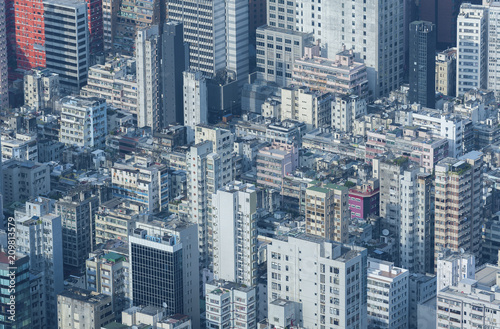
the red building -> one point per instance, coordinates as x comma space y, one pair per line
96, 35
25, 36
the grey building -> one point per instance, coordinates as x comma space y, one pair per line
422, 63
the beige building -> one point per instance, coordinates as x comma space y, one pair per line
446, 70
41, 88
80, 308
302, 104
327, 211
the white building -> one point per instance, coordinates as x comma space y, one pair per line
41, 88
71, 61
234, 225
19, 149
454, 267
195, 102
39, 235
472, 43
388, 295
4, 82
237, 38
345, 109
83, 121
230, 305
147, 51
302, 104
326, 279
494, 48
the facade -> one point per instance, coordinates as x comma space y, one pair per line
70, 62
416, 230
345, 110
422, 63
274, 163
4, 72
314, 273
234, 211
39, 236
19, 149
388, 295
422, 289
446, 71
195, 102
205, 32
458, 219
83, 121
364, 200
141, 180
96, 30
24, 179
343, 75
277, 49
453, 267
472, 53
41, 88
305, 105
237, 39
230, 305
164, 269
81, 308
493, 48
115, 81
327, 212
110, 10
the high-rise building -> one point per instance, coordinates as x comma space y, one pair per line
494, 48
164, 268
234, 209
41, 88
24, 179
95, 20
314, 273
4, 73
309, 106
327, 212
422, 63
175, 60
472, 52
205, 31
388, 295
422, 290
446, 71
416, 229
453, 267
110, 10
67, 42
195, 102
82, 308
39, 234
458, 220
345, 110
83, 121
237, 39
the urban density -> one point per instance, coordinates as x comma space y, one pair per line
250, 164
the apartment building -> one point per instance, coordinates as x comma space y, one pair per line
446, 71
305, 105
274, 162
41, 88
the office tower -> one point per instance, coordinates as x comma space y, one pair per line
453, 267
204, 31
345, 110
327, 212
237, 39
83, 121
175, 60
494, 48
416, 229
39, 233
446, 71
230, 305
388, 295
458, 210
302, 104
141, 180
472, 303
147, 51
164, 268
234, 221
82, 308
25, 36
21, 297
4, 73
422, 63
277, 49
71, 62
256, 17
195, 102
472, 52
326, 279
95, 19
24, 179
41, 88
77, 210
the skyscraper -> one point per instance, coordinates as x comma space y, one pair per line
95, 19
472, 53
494, 48
422, 63
195, 102
4, 83
67, 42
237, 39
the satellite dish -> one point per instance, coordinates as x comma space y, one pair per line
462, 251
385, 232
